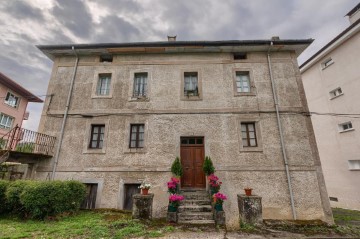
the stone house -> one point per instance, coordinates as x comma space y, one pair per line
331, 79
128, 109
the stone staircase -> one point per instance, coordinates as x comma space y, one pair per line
195, 208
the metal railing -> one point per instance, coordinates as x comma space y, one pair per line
27, 141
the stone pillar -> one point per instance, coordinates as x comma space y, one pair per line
142, 206
219, 217
250, 209
172, 217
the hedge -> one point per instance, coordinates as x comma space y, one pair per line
3, 188
41, 199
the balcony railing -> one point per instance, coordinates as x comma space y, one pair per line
27, 141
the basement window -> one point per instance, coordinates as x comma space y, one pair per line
334, 199
106, 58
240, 56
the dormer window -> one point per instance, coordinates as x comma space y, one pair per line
12, 100
327, 63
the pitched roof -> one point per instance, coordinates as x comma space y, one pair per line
6, 81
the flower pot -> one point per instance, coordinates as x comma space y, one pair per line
248, 191
145, 191
172, 208
218, 207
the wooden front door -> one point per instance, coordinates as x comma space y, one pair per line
90, 199
192, 159
130, 190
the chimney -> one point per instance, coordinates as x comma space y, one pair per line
354, 14
171, 38
275, 38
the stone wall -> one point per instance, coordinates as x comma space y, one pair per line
167, 116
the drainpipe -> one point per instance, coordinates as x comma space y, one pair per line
65, 116
281, 133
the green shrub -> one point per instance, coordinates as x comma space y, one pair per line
44, 199
176, 167
3, 202
13, 193
208, 166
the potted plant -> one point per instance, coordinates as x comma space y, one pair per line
248, 191
176, 168
219, 200
145, 188
208, 166
215, 184
174, 202
173, 185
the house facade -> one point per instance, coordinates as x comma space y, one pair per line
331, 78
131, 108
14, 102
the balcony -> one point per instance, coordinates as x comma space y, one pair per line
25, 146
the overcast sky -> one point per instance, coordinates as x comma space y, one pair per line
26, 23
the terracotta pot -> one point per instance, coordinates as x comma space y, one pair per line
145, 191
248, 192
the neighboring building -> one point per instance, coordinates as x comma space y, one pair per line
331, 79
134, 107
14, 101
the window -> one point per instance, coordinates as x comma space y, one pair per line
191, 84
335, 93
327, 63
103, 87
137, 136
248, 135
354, 164
106, 58
97, 136
242, 82
12, 100
240, 56
6, 121
140, 83
345, 127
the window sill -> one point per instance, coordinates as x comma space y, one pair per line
94, 151
347, 130
135, 150
191, 98
245, 94
101, 96
251, 149
139, 99
336, 96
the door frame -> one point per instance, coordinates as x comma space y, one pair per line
189, 144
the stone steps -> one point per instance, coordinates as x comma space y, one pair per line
195, 208
186, 216
198, 222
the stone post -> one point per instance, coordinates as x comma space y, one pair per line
250, 209
142, 206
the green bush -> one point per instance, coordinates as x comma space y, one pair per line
176, 167
3, 202
43, 199
13, 193
208, 166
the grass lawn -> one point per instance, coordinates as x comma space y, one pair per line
85, 224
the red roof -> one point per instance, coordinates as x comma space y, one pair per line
6, 81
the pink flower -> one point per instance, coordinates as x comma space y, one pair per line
220, 196
175, 180
212, 177
175, 198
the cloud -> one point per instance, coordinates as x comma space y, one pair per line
26, 23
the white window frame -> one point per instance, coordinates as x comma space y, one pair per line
191, 78
346, 124
13, 97
328, 62
6, 125
191, 97
336, 93
354, 164
240, 80
97, 74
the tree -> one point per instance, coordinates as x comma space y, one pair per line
208, 166
176, 167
